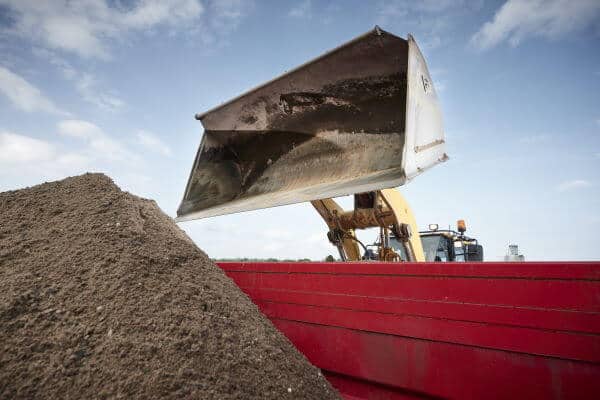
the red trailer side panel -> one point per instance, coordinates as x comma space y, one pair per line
468, 330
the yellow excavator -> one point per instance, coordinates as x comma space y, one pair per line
398, 238
361, 119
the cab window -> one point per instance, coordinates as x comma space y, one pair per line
435, 248
459, 252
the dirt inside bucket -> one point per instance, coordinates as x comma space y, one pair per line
103, 296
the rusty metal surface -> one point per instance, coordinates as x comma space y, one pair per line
333, 126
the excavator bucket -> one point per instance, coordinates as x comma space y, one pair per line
362, 117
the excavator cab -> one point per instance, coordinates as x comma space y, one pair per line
450, 245
438, 246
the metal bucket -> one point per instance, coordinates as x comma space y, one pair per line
361, 117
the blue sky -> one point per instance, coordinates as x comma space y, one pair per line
113, 86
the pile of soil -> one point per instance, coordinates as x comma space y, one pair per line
102, 295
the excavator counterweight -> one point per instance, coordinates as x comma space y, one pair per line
360, 118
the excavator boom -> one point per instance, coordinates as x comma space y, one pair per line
360, 118
385, 209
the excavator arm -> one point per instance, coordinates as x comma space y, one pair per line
343, 238
385, 209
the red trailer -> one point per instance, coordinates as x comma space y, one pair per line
438, 330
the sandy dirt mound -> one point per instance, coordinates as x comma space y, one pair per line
103, 296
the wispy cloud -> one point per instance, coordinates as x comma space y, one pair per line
89, 89
29, 160
572, 185
16, 149
99, 143
68, 71
86, 84
85, 27
429, 20
80, 146
301, 10
152, 142
400, 8
25, 95
26, 160
517, 20
227, 14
